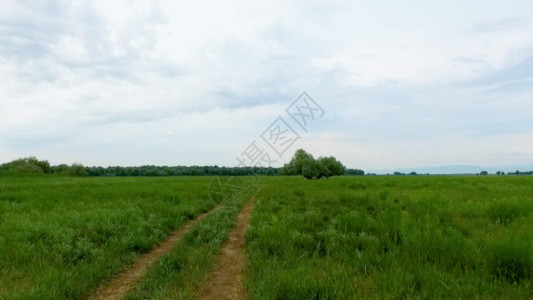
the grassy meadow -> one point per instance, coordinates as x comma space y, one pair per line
181, 273
399, 237
60, 237
392, 237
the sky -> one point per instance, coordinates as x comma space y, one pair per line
200, 82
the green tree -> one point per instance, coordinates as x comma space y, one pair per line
355, 172
330, 166
29, 165
303, 163
297, 163
76, 169
309, 171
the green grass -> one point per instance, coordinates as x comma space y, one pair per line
392, 237
181, 273
60, 237
341, 238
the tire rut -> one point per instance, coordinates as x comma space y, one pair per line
226, 280
125, 281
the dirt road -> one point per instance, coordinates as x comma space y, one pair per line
126, 280
226, 280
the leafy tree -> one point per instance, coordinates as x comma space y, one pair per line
28, 165
76, 170
309, 171
483, 173
356, 172
60, 169
303, 163
332, 166
297, 163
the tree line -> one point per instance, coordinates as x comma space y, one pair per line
32, 165
502, 173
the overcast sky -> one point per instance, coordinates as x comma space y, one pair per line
196, 82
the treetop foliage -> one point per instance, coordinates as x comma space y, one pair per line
303, 163
28, 165
31, 165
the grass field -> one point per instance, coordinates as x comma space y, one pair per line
338, 238
392, 237
182, 273
62, 236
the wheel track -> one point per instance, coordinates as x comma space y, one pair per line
125, 281
226, 280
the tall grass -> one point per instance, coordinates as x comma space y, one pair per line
60, 237
181, 273
340, 238
392, 237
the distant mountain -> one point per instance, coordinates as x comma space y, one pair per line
454, 169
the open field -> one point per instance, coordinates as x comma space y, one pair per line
338, 238
392, 237
60, 237
183, 272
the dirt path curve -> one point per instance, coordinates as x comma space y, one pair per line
226, 281
126, 280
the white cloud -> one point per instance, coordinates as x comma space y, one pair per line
134, 82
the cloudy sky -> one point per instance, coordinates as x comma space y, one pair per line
196, 82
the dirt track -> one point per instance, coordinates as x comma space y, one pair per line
126, 280
226, 281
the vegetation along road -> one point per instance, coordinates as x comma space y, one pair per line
339, 238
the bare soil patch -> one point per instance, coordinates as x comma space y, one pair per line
226, 280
